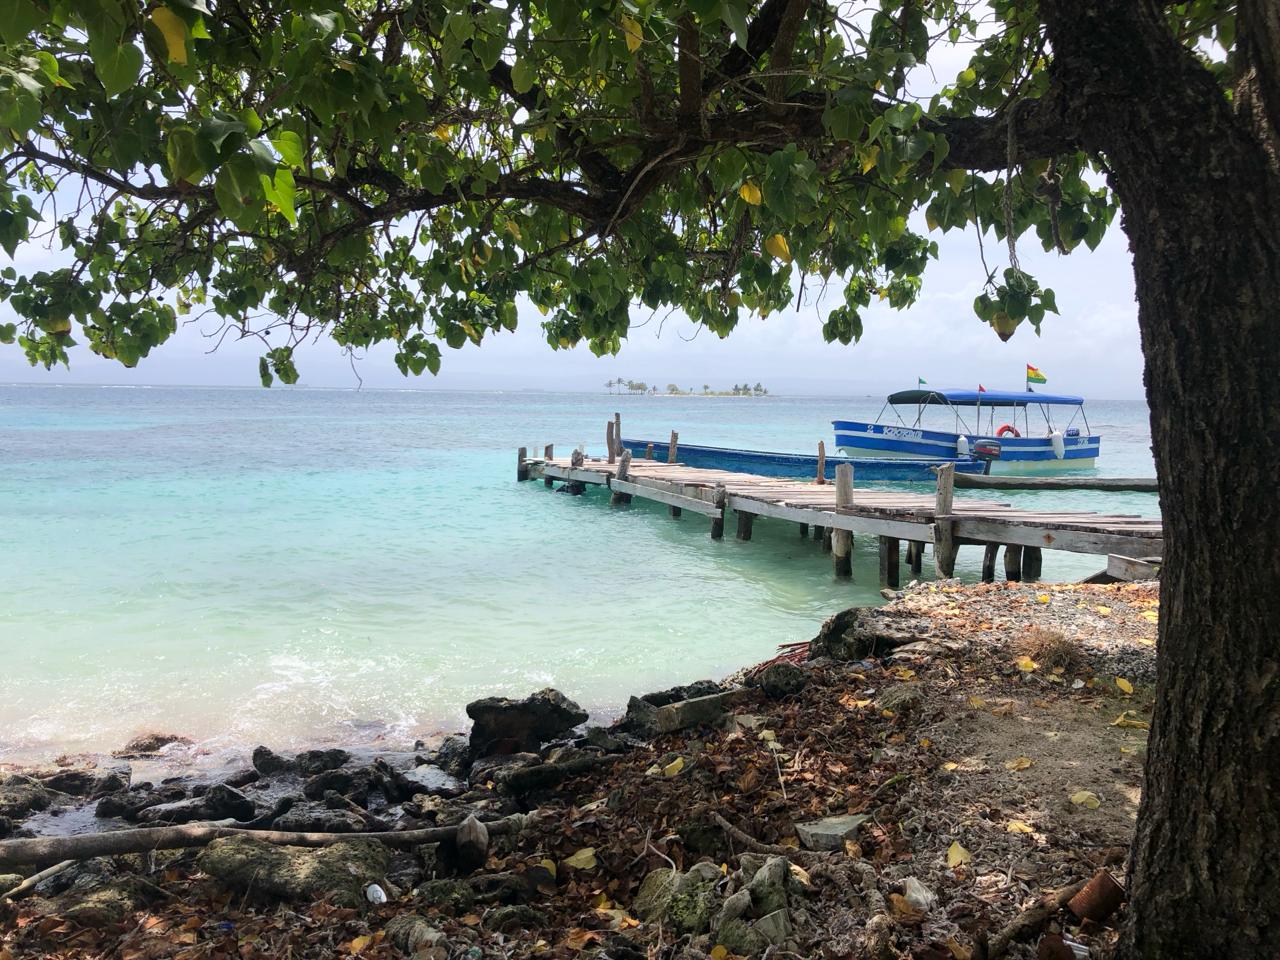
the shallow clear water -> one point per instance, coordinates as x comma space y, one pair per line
293, 566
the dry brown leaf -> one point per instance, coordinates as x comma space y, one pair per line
1087, 799
1017, 826
957, 855
1018, 763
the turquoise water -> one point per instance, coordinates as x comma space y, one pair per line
294, 566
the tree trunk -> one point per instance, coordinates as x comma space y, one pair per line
1201, 209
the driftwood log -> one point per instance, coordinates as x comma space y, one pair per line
45, 850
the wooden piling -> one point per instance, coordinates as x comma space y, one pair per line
817, 533
718, 497
745, 521
676, 511
889, 564
1032, 563
822, 463
944, 545
617, 432
548, 454
671, 447
609, 446
575, 487
1012, 563
915, 556
804, 531
989, 562
522, 465
841, 540
618, 498
826, 539
648, 451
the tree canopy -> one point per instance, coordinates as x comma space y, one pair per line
403, 170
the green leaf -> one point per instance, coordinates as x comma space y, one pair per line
174, 31
18, 18
522, 76
736, 18
289, 145
238, 190
117, 63
956, 180
183, 156
1048, 300
264, 371
280, 191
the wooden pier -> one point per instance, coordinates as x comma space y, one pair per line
835, 513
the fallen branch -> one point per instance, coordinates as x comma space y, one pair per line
544, 775
43, 850
1030, 921
29, 883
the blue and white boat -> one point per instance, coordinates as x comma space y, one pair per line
992, 424
800, 465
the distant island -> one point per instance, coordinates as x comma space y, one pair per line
674, 390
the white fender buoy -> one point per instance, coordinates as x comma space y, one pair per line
1059, 446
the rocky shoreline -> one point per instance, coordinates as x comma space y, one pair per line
803, 811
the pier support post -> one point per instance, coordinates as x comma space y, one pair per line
676, 511
617, 432
575, 487
548, 454
889, 564
842, 540
822, 462
648, 451
718, 497
609, 446
826, 539
1032, 563
817, 532
915, 556
1012, 563
989, 562
745, 520
522, 465
804, 531
944, 544
671, 447
624, 465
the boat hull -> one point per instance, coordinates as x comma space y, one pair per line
769, 464
1017, 454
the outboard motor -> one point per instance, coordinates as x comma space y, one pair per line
986, 451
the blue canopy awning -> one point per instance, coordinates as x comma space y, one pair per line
987, 398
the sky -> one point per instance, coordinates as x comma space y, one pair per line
1092, 348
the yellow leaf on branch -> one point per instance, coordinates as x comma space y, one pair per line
174, 31
777, 246
632, 33
750, 193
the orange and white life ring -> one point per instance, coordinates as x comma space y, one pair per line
1008, 430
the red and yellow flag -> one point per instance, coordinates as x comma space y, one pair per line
1034, 375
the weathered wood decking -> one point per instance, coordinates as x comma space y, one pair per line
893, 516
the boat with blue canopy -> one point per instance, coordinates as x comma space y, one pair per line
1017, 431
799, 465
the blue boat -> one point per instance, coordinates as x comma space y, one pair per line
1014, 446
767, 464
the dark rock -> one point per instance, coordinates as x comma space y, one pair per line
830, 833
107, 904
338, 873
354, 785
6, 827
502, 725
602, 739
901, 698
646, 720
219, 802
780, 680
89, 782
127, 804
431, 780
699, 688
20, 796
453, 756
149, 743
312, 762
242, 778
267, 762
499, 768
10, 880
312, 817
768, 888
862, 632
